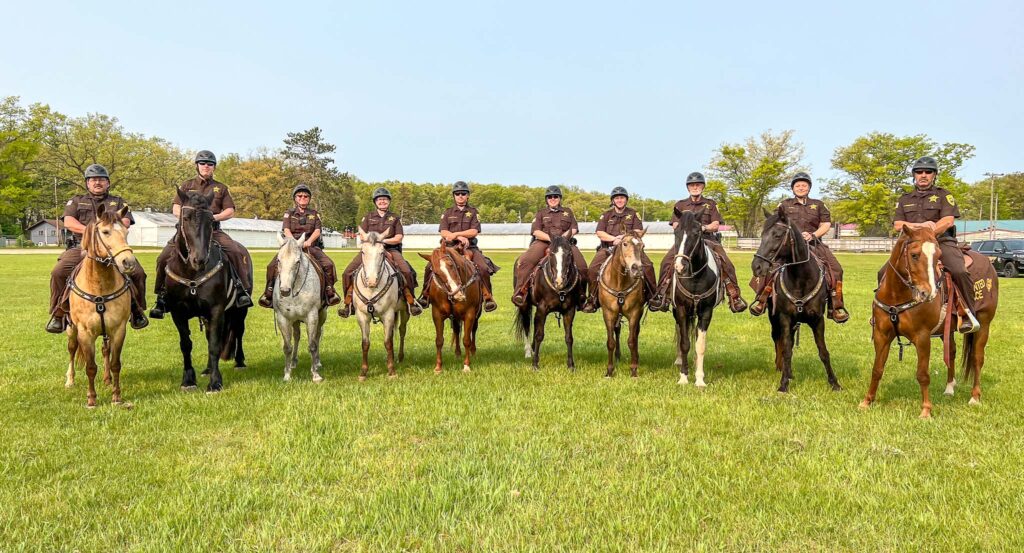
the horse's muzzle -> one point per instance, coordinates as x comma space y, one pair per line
285, 292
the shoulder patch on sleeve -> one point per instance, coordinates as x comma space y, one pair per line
950, 199
71, 201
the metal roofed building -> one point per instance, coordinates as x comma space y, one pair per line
155, 229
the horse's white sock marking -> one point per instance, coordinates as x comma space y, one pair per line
702, 342
950, 387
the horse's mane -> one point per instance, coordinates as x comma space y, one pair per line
372, 238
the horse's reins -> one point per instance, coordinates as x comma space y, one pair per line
193, 283
461, 288
565, 287
695, 298
371, 301
101, 301
620, 295
917, 294
779, 271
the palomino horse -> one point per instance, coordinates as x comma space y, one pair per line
101, 301
456, 294
696, 291
800, 294
558, 288
909, 303
622, 295
378, 298
297, 300
200, 285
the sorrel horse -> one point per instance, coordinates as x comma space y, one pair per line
558, 288
621, 279
799, 295
200, 285
378, 298
101, 301
913, 301
297, 300
456, 294
696, 291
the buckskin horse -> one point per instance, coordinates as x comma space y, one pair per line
696, 291
456, 295
621, 295
559, 288
100, 299
799, 294
378, 298
199, 284
298, 299
914, 301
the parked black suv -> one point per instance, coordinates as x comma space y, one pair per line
1006, 255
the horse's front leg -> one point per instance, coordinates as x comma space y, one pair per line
438, 336
215, 336
69, 379
314, 326
789, 327
188, 373
567, 319
882, 338
634, 341
703, 324
88, 349
116, 346
364, 327
923, 344
468, 325
540, 317
826, 358
287, 345
682, 344
388, 321
611, 328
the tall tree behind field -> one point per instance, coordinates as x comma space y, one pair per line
1010, 191
310, 157
751, 171
19, 146
876, 172
261, 186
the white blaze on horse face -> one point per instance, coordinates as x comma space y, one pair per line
448, 279
679, 260
371, 261
559, 262
929, 252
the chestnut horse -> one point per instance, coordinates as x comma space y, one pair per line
622, 295
101, 301
457, 294
910, 302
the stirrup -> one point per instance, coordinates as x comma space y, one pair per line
55, 325
345, 311
970, 324
839, 315
159, 308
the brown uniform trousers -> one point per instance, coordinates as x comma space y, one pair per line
236, 253
603, 253
529, 260
404, 268
330, 273
728, 269
66, 263
481, 267
832, 265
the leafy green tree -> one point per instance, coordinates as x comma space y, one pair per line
19, 145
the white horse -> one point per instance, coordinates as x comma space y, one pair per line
297, 300
378, 297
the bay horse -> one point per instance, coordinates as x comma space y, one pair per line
297, 300
911, 302
100, 298
378, 298
557, 288
696, 290
199, 284
800, 294
621, 295
457, 295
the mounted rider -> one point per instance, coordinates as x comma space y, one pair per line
553, 219
612, 228
303, 221
461, 223
813, 219
932, 207
382, 220
223, 208
78, 213
706, 210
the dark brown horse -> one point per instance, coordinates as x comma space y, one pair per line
913, 300
622, 296
557, 288
456, 295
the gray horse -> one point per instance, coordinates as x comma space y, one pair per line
378, 297
297, 300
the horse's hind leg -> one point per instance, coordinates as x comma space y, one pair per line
951, 367
634, 342
702, 345
618, 343
69, 379
388, 321
286, 346
88, 349
540, 318
314, 332
403, 321
364, 327
238, 322
826, 358
116, 346
567, 321
682, 345
467, 341
977, 360
789, 327
188, 373
105, 348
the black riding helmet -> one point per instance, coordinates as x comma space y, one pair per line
926, 162
381, 192
695, 177
619, 191
96, 170
553, 190
801, 176
301, 188
205, 155
460, 186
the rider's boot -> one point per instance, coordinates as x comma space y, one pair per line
838, 312
736, 303
159, 306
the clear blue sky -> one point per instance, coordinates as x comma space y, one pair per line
592, 94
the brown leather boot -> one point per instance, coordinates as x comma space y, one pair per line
346, 309
761, 299
489, 303
332, 296
839, 313
736, 303
414, 308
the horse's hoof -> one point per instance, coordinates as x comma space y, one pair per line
683, 381
974, 401
241, 367
362, 378
700, 385
466, 369
69, 383
950, 388
437, 371
926, 414
837, 388
206, 372
126, 405
317, 378
90, 406
188, 388
864, 405
392, 376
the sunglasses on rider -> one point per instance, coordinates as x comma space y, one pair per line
924, 171
553, 196
207, 163
462, 193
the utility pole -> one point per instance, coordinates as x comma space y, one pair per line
992, 204
56, 216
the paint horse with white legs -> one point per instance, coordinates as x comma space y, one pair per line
101, 301
378, 298
798, 292
558, 288
917, 302
456, 295
622, 297
296, 300
696, 290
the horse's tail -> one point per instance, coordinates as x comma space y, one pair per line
521, 324
966, 362
231, 343
456, 329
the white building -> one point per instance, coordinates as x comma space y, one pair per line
155, 229
516, 236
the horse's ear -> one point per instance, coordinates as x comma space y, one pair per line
425, 256
302, 238
182, 196
122, 213
385, 234
904, 229
782, 213
567, 234
100, 210
767, 213
87, 237
280, 238
209, 198
640, 232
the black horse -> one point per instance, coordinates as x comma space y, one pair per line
799, 294
199, 284
696, 289
557, 288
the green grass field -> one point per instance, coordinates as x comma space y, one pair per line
506, 458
